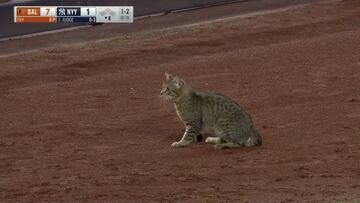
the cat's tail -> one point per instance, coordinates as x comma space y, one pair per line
252, 141
255, 139
258, 141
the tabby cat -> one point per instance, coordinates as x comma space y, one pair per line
212, 113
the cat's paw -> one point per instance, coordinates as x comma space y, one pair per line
208, 140
176, 144
179, 144
213, 140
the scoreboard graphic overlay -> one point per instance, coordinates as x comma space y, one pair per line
73, 14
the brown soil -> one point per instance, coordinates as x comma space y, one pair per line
84, 122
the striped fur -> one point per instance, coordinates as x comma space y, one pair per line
213, 113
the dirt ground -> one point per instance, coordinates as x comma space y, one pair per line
84, 122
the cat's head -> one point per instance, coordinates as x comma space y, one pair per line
173, 88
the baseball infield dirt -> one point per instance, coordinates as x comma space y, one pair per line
84, 122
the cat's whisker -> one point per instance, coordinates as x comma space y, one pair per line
166, 98
162, 101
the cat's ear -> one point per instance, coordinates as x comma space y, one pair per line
167, 76
178, 82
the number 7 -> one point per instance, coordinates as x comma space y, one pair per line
47, 11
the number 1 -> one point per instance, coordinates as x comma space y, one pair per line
88, 10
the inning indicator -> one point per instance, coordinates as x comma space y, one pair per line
73, 14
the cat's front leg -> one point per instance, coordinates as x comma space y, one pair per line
190, 133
